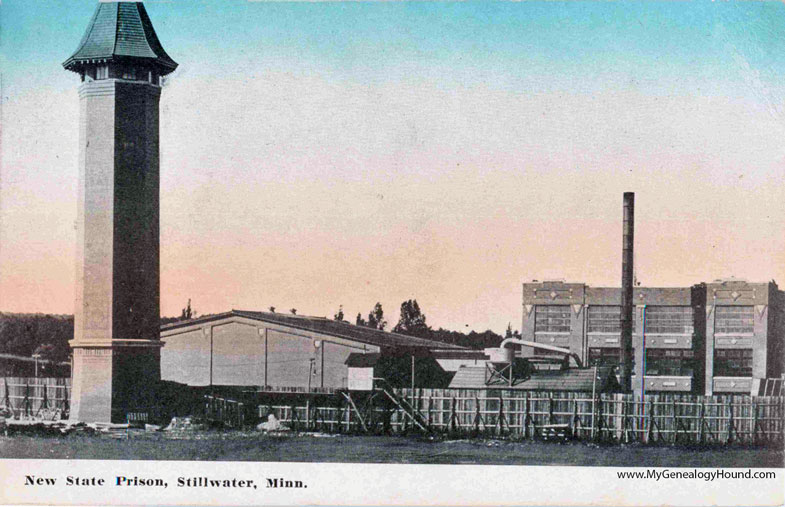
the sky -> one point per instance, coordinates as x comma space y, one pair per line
324, 154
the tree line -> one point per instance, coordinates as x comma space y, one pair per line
47, 336
412, 322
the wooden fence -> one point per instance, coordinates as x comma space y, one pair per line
659, 418
30, 397
229, 412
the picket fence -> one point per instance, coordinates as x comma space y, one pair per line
655, 418
35, 398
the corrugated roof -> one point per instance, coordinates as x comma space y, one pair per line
120, 30
473, 377
326, 326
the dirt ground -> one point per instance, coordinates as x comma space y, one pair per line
236, 446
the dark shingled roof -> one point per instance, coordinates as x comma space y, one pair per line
120, 31
473, 377
327, 326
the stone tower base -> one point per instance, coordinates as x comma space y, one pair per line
115, 381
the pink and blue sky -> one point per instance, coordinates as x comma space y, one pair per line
319, 154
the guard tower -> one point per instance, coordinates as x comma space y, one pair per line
116, 342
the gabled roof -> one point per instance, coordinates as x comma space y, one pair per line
326, 326
120, 31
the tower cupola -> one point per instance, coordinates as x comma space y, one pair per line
120, 43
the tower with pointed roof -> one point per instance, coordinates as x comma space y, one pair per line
116, 346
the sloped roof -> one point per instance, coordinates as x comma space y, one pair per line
120, 31
473, 377
359, 360
327, 326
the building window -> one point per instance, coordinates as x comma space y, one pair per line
552, 319
670, 362
734, 320
102, 72
604, 357
129, 73
669, 320
733, 362
604, 319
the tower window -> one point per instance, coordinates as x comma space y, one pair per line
676, 362
129, 73
734, 320
604, 319
733, 362
102, 72
552, 319
669, 320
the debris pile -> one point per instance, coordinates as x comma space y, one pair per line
272, 424
183, 425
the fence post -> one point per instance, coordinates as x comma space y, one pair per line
623, 426
476, 415
501, 415
781, 419
754, 408
550, 407
575, 421
650, 418
295, 418
675, 423
525, 415
729, 439
598, 434
701, 421
453, 415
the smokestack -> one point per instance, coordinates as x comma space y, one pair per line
628, 239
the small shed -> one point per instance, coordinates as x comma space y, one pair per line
396, 370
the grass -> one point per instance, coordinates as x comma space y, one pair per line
240, 446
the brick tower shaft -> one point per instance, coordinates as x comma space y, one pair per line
116, 342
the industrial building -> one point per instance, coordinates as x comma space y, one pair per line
710, 338
275, 351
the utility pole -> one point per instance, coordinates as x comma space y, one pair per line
628, 240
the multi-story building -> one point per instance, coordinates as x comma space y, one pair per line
709, 338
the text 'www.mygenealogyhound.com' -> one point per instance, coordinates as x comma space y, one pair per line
695, 474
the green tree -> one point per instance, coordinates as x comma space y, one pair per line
412, 321
187, 313
359, 321
376, 318
339, 314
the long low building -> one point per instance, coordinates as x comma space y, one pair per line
718, 337
277, 351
